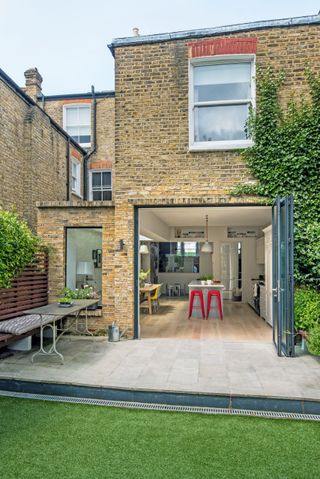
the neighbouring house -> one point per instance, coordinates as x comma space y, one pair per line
36, 154
180, 108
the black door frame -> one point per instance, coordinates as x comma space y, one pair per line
136, 325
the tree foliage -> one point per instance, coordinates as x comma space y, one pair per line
17, 246
285, 159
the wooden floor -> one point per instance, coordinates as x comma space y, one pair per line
240, 323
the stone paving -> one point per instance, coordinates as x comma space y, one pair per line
203, 366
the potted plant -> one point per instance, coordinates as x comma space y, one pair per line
142, 277
209, 279
65, 302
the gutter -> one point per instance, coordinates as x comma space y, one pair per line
94, 145
68, 170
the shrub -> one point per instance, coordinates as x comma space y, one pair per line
17, 246
314, 340
307, 309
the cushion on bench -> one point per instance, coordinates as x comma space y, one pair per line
26, 323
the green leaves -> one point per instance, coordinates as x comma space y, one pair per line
285, 159
17, 246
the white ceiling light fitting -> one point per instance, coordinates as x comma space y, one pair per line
206, 247
143, 249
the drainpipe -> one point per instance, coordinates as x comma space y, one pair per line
93, 148
68, 169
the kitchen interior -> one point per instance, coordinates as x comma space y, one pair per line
221, 248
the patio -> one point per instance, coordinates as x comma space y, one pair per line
197, 366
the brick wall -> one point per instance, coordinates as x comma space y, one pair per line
53, 218
153, 164
33, 153
104, 155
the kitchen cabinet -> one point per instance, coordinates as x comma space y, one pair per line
260, 251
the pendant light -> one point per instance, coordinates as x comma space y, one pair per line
206, 247
143, 249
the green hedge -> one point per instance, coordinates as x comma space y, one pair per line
17, 246
307, 316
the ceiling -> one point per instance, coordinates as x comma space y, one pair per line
218, 216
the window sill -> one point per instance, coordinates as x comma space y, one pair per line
220, 145
77, 195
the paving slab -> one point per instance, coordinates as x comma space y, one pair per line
201, 366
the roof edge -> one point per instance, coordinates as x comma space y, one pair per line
75, 96
208, 32
27, 99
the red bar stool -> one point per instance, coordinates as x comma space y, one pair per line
199, 294
217, 294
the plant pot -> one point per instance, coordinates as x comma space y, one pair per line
65, 305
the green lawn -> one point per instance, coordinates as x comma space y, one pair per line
65, 441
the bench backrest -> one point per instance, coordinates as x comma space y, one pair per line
28, 290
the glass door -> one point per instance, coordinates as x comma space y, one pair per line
282, 277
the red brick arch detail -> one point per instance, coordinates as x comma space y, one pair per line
222, 46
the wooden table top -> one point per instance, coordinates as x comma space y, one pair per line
148, 288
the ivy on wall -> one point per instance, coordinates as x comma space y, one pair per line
17, 246
285, 159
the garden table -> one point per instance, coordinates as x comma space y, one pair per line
58, 313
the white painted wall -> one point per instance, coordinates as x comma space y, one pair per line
152, 226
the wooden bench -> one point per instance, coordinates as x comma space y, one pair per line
28, 290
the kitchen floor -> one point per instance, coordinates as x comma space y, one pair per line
240, 323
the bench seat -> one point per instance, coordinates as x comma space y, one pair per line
24, 324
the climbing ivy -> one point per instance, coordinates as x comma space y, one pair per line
285, 159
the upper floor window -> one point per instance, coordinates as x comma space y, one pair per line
77, 122
222, 90
75, 176
100, 185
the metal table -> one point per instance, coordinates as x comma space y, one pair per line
58, 313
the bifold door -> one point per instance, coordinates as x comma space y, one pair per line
282, 276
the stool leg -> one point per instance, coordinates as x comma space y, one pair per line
208, 304
190, 306
202, 306
220, 307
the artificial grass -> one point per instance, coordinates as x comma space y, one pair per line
56, 440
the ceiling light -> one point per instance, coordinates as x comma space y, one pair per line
206, 247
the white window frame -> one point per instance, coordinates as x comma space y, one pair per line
219, 59
105, 170
76, 105
77, 189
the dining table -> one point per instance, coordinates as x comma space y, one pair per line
205, 288
149, 290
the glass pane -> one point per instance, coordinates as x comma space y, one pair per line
173, 258
220, 123
83, 260
106, 178
84, 115
107, 195
74, 184
84, 139
72, 116
96, 179
73, 132
222, 82
96, 195
283, 274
